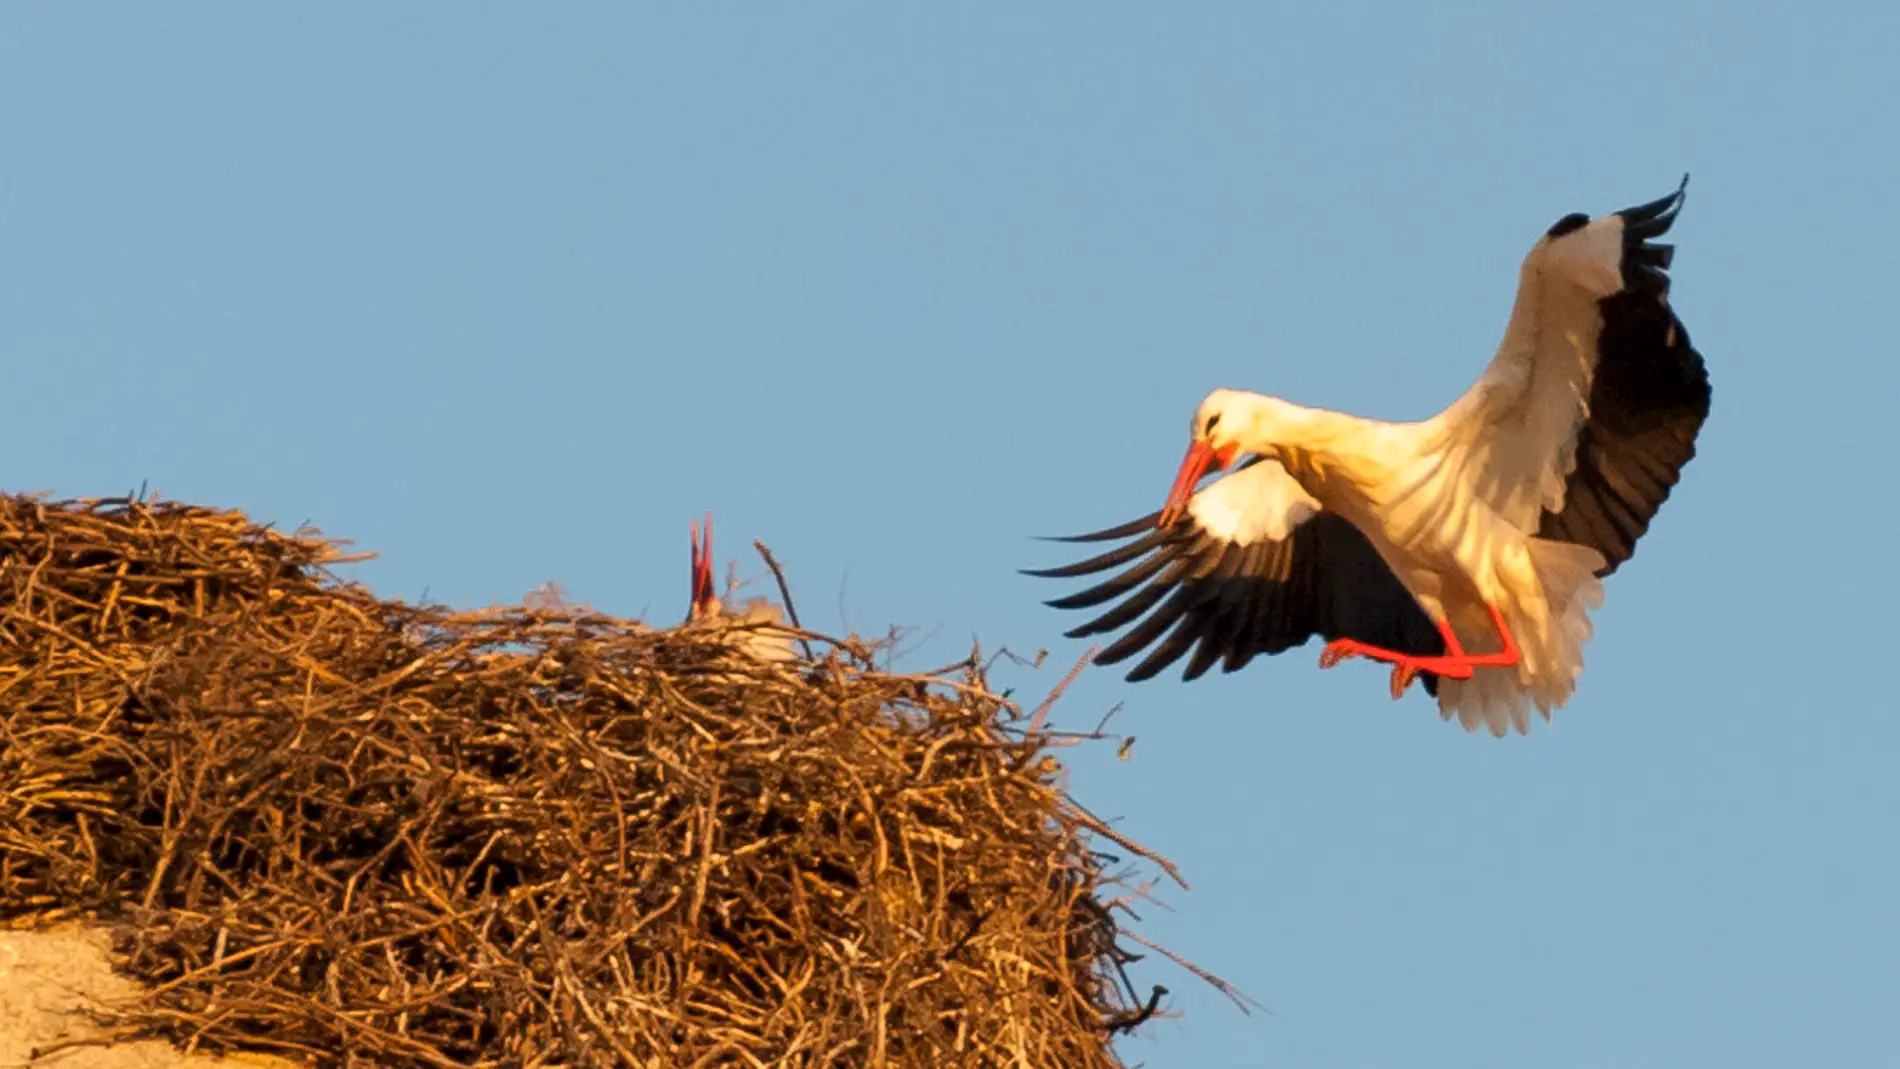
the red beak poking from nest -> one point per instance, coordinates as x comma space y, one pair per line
702, 568
1202, 457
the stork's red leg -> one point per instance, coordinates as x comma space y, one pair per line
1455, 664
1505, 657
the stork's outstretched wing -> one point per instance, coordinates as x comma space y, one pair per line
1255, 566
1582, 423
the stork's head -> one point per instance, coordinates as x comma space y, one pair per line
704, 604
1213, 442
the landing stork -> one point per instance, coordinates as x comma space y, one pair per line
1468, 549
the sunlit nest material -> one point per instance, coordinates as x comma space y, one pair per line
362, 831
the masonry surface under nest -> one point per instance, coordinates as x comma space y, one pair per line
351, 829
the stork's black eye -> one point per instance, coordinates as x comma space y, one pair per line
1211, 421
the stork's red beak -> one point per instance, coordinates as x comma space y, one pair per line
1202, 457
702, 565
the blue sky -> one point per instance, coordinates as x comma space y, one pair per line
508, 293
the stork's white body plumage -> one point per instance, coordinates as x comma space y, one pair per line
1469, 547
757, 630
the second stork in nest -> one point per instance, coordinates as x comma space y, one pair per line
758, 629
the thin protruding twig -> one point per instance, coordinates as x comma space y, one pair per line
1042, 711
1235, 995
784, 591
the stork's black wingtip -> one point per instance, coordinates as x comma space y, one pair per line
1093, 536
1652, 220
1060, 571
1109, 534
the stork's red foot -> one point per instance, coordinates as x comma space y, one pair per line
1402, 677
1341, 649
1405, 666
1455, 664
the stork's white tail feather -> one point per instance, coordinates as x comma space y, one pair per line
1499, 699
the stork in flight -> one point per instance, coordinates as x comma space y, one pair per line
758, 629
1467, 549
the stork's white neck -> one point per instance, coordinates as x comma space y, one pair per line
1267, 425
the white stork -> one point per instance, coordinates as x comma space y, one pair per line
1467, 548
758, 629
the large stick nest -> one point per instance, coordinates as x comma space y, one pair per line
366, 831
